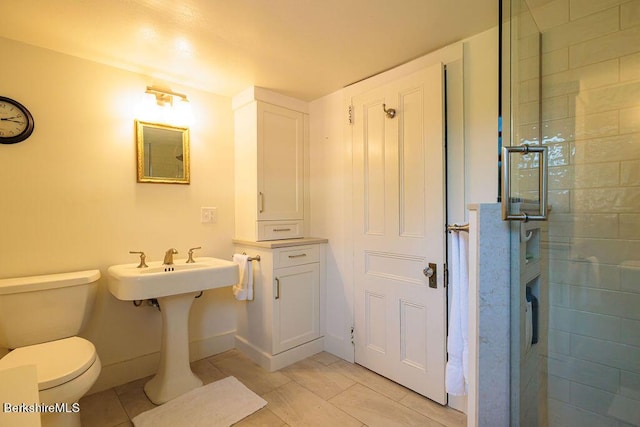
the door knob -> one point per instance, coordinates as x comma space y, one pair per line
432, 273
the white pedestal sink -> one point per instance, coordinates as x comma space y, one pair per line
175, 286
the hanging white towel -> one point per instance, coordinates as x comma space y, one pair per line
457, 370
243, 290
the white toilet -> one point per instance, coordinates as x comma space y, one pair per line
39, 318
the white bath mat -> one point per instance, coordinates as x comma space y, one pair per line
218, 404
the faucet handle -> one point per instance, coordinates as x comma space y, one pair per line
190, 259
142, 259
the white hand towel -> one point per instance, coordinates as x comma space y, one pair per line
243, 290
457, 342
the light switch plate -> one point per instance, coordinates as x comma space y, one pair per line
208, 215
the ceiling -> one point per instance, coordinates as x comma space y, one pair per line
301, 48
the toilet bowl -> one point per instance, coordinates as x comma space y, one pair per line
66, 370
39, 317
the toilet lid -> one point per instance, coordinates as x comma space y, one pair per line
56, 361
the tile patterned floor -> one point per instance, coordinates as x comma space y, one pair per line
321, 390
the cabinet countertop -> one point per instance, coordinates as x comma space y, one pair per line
273, 244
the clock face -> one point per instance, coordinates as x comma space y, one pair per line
16, 123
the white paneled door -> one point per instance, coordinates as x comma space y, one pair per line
398, 190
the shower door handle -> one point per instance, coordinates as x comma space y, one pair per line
542, 214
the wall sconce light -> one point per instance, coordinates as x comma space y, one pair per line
165, 96
164, 109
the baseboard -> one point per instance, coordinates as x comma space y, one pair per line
458, 402
252, 352
280, 360
212, 345
338, 346
119, 373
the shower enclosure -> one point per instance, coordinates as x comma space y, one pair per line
571, 83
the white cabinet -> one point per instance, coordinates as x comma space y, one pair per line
271, 166
283, 324
280, 163
295, 310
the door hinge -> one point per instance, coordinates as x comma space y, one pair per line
353, 342
350, 114
445, 278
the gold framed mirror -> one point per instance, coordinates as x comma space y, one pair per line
163, 153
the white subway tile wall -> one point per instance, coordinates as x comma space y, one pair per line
591, 124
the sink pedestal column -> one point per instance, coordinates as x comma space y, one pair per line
174, 375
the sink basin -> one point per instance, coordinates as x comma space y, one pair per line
174, 286
127, 282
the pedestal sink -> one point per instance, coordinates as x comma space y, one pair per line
174, 286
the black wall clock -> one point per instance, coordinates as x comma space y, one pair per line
16, 122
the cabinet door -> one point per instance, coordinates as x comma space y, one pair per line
281, 136
296, 317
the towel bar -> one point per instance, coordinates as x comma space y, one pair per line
252, 258
458, 227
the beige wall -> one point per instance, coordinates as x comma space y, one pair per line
70, 200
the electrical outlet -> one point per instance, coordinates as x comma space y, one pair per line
208, 215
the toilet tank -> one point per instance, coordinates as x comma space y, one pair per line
44, 308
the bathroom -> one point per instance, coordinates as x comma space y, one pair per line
71, 200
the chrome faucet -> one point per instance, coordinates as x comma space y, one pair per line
168, 256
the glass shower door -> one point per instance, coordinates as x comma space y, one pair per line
584, 368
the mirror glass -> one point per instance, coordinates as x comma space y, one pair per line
163, 153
